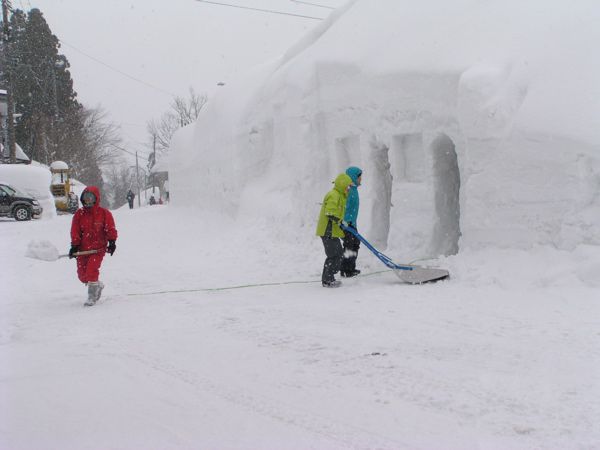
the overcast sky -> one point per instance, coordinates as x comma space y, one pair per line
168, 46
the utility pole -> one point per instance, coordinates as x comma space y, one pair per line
153, 160
137, 178
10, 104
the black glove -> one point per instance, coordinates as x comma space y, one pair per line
74, 249
112, 246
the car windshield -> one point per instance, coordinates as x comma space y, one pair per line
12, 191
8, 189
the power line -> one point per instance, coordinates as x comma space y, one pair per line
271, 11
170, 94
122, 149
127, 151
313, 4
133, 141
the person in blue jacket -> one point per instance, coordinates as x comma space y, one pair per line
351, 242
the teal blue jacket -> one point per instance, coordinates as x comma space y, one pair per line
353, 201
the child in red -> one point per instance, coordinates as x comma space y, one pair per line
92, 228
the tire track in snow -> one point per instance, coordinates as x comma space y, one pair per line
346, 436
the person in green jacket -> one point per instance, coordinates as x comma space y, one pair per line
328, 228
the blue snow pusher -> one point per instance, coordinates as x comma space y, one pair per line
406, 272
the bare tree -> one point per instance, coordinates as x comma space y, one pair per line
119, 178
182, 112
102, 137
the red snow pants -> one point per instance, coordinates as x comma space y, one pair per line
88, 267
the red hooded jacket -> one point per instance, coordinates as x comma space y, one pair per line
93, 227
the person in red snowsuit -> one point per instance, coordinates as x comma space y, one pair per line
92, 228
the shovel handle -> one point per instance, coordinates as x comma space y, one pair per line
86, 252
82, 253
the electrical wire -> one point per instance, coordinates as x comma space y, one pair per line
170, 94
271, 11
127, 151
313, 4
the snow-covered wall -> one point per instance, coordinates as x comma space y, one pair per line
475, 123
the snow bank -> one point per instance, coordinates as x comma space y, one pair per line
32, 180
475, 124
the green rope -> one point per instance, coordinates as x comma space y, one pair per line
242, 286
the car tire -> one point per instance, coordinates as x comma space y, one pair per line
21, 213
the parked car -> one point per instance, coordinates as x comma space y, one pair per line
19, 205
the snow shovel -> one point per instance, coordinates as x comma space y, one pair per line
46, 251
407, 273
83, 253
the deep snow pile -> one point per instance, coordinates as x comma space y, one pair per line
177, 355
475, 124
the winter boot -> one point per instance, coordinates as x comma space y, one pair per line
93, 288
332, 284
350, 273
100, 287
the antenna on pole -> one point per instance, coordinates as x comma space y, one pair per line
137, 178
10, 104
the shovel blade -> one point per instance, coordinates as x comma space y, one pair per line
41, 249
46, 251
420, 275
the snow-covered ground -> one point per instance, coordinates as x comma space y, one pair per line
182, 353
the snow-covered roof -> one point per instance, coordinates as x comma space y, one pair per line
162, 165
21, 156
59, 165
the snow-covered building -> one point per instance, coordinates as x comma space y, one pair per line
20, 155
475, 123
159, 176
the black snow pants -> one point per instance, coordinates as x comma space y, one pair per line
333, 250
350, 253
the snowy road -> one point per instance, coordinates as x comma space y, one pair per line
504, 355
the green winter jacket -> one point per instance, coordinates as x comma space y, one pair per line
334, 204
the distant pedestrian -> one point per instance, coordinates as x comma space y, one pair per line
351, 242
92, 228
328, 228
152, 200
130, 197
